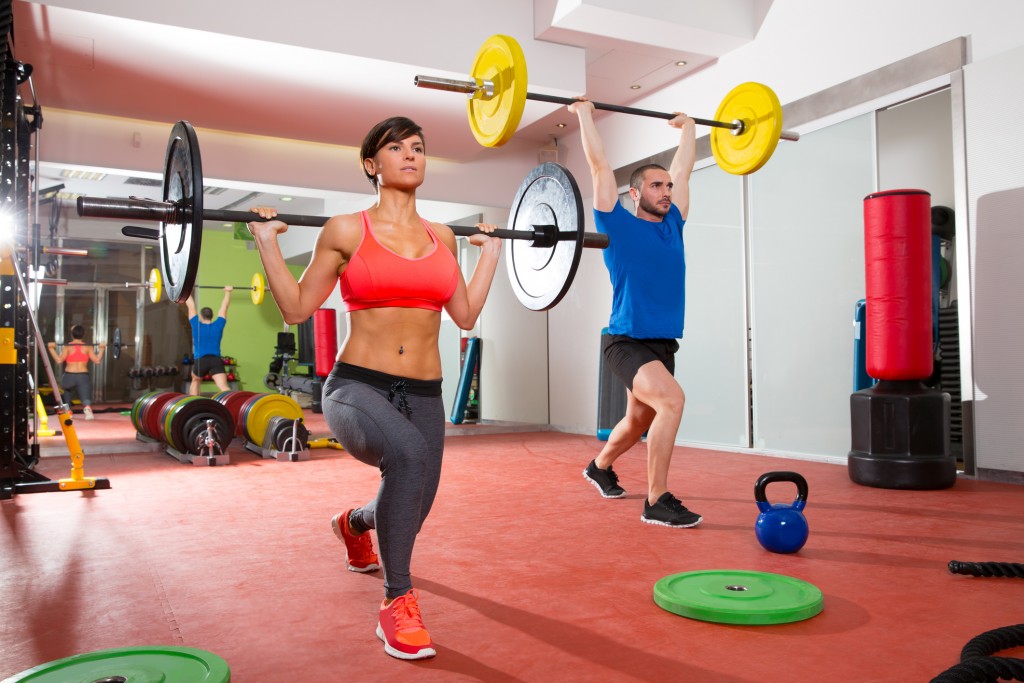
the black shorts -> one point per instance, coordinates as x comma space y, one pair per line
625, 355
208, 365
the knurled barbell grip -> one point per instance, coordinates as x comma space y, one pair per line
166, 212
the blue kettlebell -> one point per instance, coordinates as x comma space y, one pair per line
781, 528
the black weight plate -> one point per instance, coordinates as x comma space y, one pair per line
183, 186
540, 276
195, 431
203, 408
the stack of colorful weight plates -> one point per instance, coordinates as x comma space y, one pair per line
132, 665
234, 400
148, 409
256, 412
186, 420
738, 597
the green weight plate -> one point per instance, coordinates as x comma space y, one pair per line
738, 597
137, 407
172, 410
132, 665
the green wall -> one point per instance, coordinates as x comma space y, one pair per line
251, 333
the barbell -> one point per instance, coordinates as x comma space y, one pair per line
746, 129
546, 225
257, 287
115, 346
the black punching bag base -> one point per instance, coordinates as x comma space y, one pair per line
900, 437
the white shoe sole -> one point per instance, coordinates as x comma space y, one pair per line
336, 526
674, 526
398, 654
598, 487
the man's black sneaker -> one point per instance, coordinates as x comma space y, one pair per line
606, 481
668, 511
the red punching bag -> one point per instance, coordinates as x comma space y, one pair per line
898, 270
325, 340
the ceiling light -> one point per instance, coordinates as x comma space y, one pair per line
286, 199
561, 125
634, 87
680, 63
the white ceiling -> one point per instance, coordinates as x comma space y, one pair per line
323, 71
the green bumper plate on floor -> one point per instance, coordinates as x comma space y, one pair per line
738, 597
131, 665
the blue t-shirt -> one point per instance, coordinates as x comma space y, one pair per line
206, 336
647, 267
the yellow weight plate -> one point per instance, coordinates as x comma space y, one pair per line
156, 285
259, 289
494, 119
757, 106
257, 418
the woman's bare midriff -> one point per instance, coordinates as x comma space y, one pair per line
396, 341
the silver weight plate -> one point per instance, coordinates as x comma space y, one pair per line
540, 276
183, 186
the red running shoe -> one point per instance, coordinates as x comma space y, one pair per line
401, 628
361, 557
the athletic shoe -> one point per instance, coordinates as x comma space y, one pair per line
401, 628
87, 411
668, 511
605, 481
361, 557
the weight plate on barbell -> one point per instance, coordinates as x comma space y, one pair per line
258, 289
117, 343
757, 106
183, 186
156, 285
540, 276
494, 119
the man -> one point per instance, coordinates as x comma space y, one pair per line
206, 337
648, 273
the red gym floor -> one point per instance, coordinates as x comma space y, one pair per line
525, 573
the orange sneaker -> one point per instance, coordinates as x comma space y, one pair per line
401, 628
361, 557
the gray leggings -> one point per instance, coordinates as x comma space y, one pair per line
81, 383
404, 437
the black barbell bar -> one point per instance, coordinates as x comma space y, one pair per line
471, 88
173, 213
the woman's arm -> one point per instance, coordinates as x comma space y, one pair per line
465, 305
298, 299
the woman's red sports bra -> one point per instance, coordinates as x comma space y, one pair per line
377, 277
77, 353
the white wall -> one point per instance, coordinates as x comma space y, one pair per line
802, 48
996, 196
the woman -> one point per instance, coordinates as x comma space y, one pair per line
383, 400
76, 376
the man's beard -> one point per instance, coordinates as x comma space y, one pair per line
652, 208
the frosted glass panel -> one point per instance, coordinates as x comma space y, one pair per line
712, 362
807, 272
